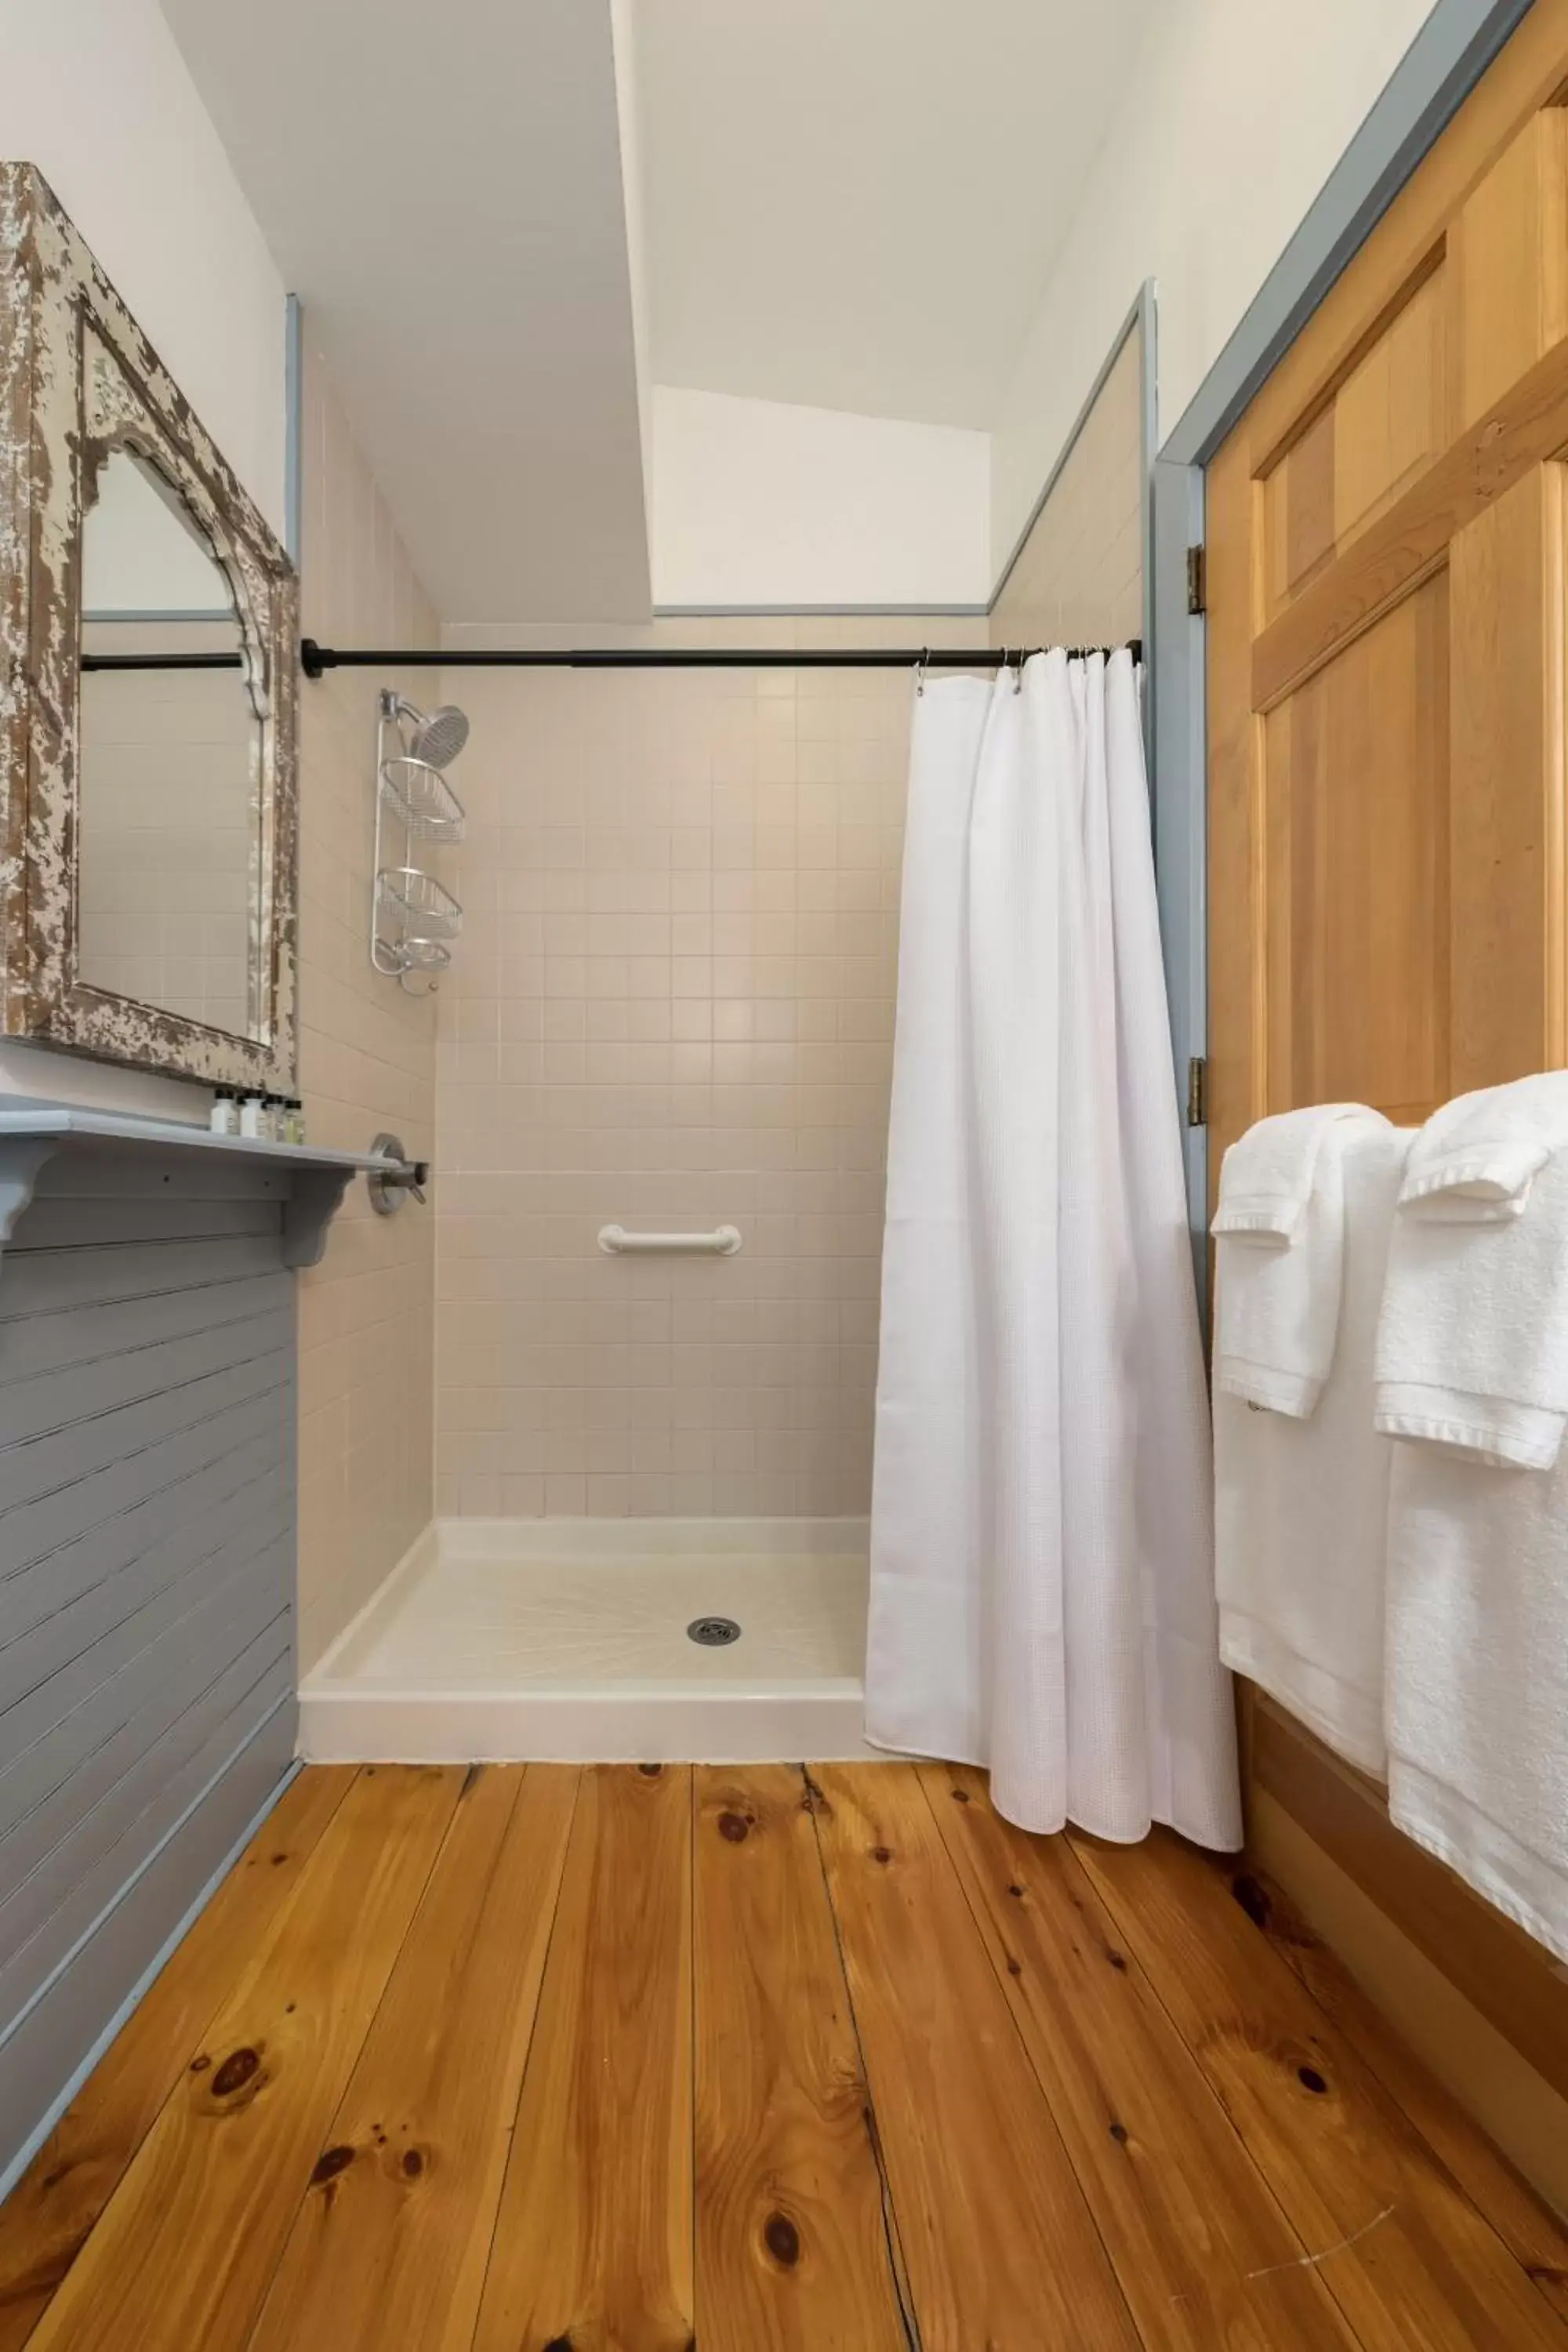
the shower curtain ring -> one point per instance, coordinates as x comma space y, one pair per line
921, 667
1018, 673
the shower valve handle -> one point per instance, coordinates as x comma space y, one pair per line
400, 1177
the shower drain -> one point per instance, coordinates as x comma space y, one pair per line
713, 1632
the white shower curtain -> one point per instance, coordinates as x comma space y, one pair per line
1042, 1582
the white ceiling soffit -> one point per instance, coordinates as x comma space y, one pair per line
854, 204
441, 184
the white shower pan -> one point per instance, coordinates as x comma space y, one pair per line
566, 1641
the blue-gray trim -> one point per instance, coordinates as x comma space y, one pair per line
1180, 831
1426, 89
293, 398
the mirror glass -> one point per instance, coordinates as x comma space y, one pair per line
170, 757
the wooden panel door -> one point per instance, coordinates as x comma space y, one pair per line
1387, 872
1387, 647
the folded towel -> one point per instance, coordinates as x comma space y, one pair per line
1478, 1677
1475, 1159
1281, 1217
1301, 1507
1472, 1345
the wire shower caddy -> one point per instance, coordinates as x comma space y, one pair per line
413, 915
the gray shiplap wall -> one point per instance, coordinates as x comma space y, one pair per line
147, 1710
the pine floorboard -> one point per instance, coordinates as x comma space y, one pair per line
45, 2220
756, 2059
794, 2245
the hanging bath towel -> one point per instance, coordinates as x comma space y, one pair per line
1042, 1594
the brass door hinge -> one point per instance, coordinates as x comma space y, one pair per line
1197, 1092
1197, 581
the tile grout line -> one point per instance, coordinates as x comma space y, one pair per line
897, 2267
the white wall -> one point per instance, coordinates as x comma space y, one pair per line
1235, 114
759, 502
96, 94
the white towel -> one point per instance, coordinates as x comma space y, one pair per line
1472, 1349
1474, 1159
1478, 1677
1281, 1222
1301, 1505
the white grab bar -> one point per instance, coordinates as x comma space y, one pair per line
723, 1243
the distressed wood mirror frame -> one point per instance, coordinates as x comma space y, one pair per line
78, 381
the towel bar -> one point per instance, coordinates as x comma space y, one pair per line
723, 1243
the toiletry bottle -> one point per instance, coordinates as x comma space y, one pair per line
296, 1120
252, 1114
223, 1117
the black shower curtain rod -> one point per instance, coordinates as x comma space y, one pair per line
162, 661
315, 659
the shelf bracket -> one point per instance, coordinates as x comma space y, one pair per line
310, 1210
21, 1158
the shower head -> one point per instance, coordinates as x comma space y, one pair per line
435, 737
441, 736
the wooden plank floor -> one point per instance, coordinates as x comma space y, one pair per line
756, 2059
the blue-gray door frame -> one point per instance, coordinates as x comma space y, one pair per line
1443, 62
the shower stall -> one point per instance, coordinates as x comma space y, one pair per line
665, 1055
664, 1050
610, 1640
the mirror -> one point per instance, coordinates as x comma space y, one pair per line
168, 758
149, 668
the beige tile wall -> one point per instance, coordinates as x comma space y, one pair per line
1079, 577
367, 1062
672, 1007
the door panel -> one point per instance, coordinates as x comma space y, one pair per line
1355, 913
1373, 434
1391, 412
1511, 281
1506, 721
